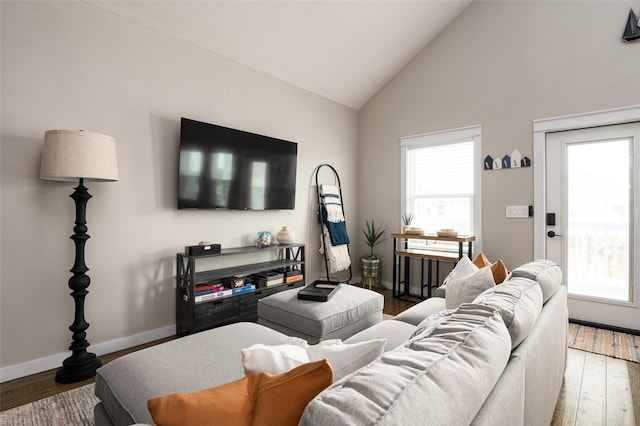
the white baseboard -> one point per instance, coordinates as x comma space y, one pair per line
54, 361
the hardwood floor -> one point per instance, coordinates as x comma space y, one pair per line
597, 390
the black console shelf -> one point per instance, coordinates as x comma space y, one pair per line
192, 316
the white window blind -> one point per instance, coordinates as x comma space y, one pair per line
441, 182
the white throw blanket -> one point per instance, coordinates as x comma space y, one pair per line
332, 202
338, 256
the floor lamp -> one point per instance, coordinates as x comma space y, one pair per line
70, 155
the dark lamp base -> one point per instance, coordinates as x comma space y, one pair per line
78, 369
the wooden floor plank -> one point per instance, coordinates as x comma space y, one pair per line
567, 406
592, 404
619, 402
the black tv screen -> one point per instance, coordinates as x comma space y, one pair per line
223, 168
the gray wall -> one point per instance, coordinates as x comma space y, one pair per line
501, 65
71, 65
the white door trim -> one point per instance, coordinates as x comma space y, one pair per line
569, 122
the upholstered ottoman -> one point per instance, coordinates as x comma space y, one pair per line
349, 311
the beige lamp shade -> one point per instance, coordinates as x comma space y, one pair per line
72, 154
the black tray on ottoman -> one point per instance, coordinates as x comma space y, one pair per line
319, 291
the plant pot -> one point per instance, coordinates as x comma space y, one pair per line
370, 268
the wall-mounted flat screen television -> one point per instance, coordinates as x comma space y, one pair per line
223, 168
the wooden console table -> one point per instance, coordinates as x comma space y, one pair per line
402, 255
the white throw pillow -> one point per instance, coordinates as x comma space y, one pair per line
345, 358
467, 288
274, 359
463, 268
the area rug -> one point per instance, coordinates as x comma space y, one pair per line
604, 342
74, 407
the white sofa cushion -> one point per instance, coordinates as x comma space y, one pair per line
547, 273
519, 301
432, 321
345, 358
464, 355
395, 332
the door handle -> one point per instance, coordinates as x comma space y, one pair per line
552, 234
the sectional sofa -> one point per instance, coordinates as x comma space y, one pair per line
497, 360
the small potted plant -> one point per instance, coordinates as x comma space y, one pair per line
370, 263
407, 219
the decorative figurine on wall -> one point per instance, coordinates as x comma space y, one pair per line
516, 158
488, 162
513, 161
632, 29
497, 163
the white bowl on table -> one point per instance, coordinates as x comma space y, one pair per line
446, 232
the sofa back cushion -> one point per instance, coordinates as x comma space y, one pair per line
547, 273
519, 301
411, 384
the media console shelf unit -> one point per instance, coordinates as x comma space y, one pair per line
224, 308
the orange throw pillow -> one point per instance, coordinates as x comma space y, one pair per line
481, 261
499, 271
257, 399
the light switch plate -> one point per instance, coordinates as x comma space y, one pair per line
517, 211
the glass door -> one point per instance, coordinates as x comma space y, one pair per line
591, 221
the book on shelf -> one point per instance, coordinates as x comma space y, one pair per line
224, 293
205, 297
276, 281
288, 270
209, 286
270, 278
293, 278
273, 275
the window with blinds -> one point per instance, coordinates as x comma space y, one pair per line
441, 183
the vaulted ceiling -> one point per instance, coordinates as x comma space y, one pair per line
342, 50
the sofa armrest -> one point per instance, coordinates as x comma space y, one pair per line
440, 291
